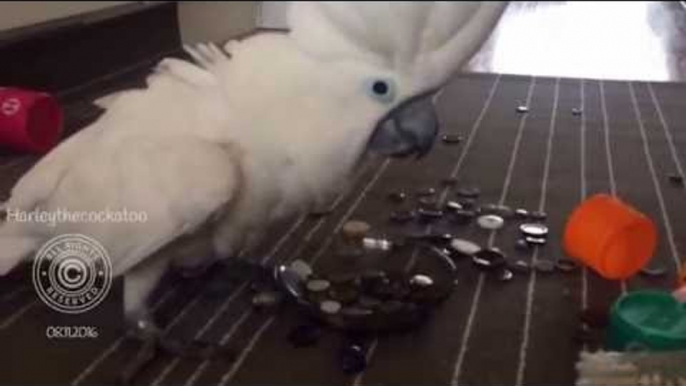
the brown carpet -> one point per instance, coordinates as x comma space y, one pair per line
488, 332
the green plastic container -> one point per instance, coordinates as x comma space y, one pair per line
647, 320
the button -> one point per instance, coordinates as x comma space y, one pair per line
463, 217
344, 294
522, 245
577, 111
521, 213
433, 237
537, 241
426, 192
373, 276
522, 109
540, 216
403, 216
397, 197
676, 179
468, 192
318, 285
467, 203
498, 210
427, 296
490, 222
330, 307
453, 206
305, 335
656, 271
377, 244
356, 312
318, 213
545, 266
355, 230
421, 282
383, 290
566, 265
368, 302
534, 230
451, 139
391, 306
428, 215
353, 359
521, 266
449, 181
266, 299
344, 278
399, 289
464, 247
488, 259
302, 269
430, 203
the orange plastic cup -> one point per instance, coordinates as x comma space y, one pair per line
609, 236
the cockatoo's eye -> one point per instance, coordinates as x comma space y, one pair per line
382, 90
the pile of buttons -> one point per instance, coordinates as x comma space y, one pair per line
372, 300
464, 209
363, 304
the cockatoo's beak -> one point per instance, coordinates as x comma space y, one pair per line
410, 128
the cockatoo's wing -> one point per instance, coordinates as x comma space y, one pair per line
37, 185
426, 39
175, 183
179, 183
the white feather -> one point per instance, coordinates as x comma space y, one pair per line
265, 129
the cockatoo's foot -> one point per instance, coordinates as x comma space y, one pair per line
155, 342
3, 211
223, 277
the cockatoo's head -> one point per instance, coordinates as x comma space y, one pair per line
386, 61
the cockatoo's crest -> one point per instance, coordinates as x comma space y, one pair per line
422, 39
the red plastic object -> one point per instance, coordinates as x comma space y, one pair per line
610, 237
30, 121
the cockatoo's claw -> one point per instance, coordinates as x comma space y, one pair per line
155, 343
224, 275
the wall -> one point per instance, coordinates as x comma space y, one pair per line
203, 21
273, 14
14, 14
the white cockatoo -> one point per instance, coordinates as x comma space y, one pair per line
242, 138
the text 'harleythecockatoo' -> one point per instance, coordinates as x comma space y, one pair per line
240, 139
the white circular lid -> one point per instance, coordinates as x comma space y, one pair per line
464, 246
534, 229
490, 222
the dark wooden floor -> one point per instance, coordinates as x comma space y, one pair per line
629, 138
627, 141
602, 40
